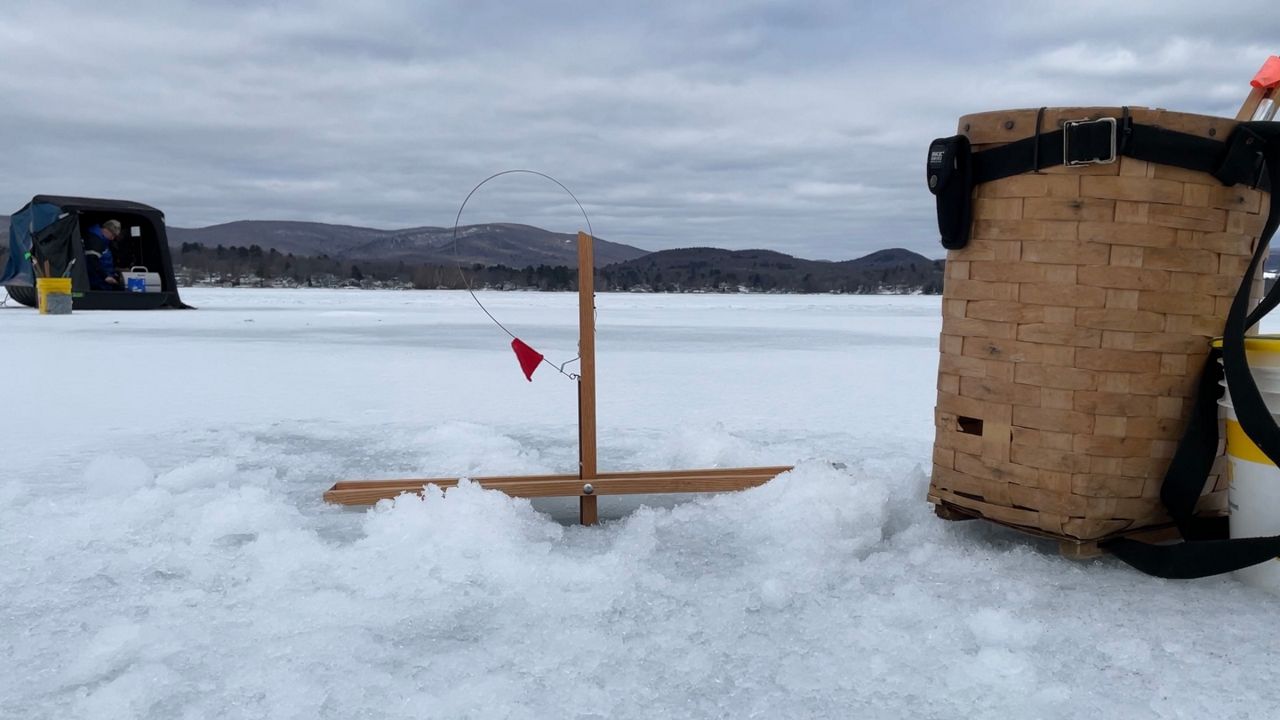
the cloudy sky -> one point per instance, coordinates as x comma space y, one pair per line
794, 126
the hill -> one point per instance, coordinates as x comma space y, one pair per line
509, 244
684, 269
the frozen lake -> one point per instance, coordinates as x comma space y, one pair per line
164, 550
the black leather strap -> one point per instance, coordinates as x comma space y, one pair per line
1235, 161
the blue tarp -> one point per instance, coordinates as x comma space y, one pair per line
22, 224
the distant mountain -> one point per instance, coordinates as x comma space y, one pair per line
508, 244
891, 258
299, 238
894, 270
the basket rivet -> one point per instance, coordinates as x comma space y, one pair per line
1213, 132
587, 489
1008, 124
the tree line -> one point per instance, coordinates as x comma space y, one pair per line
235, 265
197, 264
252, 264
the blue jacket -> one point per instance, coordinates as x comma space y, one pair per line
98, 260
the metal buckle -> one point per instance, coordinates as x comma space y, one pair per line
1070, 125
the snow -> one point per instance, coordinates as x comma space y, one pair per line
165, 553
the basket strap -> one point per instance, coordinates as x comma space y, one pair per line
1233, 162
954, 170
1206, 551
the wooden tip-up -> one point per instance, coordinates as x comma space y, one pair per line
587, 484
655, 482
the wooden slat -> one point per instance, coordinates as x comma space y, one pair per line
417, 483
951, 512
631, 483
1088, 550
587, 504
1009, 125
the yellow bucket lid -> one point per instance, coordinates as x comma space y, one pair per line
1257, 343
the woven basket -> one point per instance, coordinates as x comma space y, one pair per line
1075, 325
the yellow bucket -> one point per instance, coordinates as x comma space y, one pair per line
59, 289
1254, 496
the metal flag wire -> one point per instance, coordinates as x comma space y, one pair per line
458, 259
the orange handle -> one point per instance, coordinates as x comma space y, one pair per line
1269, 75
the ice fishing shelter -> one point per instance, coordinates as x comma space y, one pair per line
53, 228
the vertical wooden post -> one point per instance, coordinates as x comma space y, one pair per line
587, 377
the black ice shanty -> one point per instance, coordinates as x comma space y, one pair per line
54, 229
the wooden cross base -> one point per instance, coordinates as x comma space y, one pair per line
650, 482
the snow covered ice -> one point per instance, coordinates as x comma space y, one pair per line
165, 553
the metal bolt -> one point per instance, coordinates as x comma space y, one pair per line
1008, 124
587, 489
1213, 132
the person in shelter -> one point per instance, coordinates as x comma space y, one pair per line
98, 257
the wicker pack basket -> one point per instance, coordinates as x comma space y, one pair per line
1075, 325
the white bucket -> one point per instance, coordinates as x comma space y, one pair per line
1254, 496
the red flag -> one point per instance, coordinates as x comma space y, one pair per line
1269, 75
529, 358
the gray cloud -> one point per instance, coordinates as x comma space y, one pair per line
792, 126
